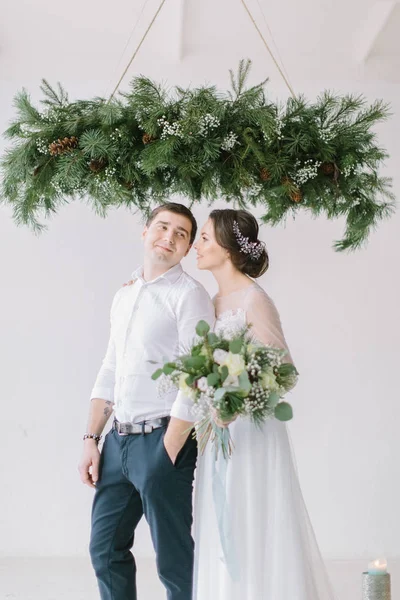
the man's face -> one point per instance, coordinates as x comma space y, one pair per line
167, 239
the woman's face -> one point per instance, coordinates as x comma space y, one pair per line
210, 255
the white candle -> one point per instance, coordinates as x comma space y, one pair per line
377, 567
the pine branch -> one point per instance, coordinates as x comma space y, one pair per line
239, 82
27, 113
52, 97
151, 142
95, 144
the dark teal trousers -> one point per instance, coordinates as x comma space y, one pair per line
137, 477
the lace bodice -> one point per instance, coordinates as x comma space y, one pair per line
253, 306
230, 322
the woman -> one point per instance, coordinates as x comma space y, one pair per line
253, 537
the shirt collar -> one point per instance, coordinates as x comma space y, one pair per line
171, 276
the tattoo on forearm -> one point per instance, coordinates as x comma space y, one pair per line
108, 409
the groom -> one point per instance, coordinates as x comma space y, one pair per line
148, 458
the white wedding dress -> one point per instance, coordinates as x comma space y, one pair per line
253, 536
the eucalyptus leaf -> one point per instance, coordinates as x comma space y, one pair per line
273, 399
244, 382
235, 346
220, 393
283, 411
224, 373
213, 379
157, 374
194, 362
190, 379
287, 369
202, 328
212, 338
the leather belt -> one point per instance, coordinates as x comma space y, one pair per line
142, 427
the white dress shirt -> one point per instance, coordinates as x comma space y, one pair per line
150, 321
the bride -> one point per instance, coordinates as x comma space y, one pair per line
253, 536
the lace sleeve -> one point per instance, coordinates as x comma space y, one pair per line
262, 315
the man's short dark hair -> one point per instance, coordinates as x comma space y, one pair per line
178, 209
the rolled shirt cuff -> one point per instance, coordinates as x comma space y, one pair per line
103, 393
182, 408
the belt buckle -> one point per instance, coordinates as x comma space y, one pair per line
121, 428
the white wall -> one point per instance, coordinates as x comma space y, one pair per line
340, 315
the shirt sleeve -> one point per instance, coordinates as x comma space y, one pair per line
263, 317
195, 306
105, 380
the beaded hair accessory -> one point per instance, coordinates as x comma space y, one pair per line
254, 249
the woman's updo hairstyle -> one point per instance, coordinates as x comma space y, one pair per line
237, 232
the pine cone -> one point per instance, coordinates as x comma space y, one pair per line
147, 138
265, 174
296, 196
97, 164
328, 168
127, 184
63, 145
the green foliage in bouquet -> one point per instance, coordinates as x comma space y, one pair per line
227, 378
139, 149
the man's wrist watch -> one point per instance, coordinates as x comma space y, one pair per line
92, 436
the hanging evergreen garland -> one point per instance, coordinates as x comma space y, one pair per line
148, 144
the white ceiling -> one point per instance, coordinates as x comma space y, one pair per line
85, 39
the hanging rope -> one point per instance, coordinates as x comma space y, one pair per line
273, 41
137, 50
269, 49
145, 3
281, 71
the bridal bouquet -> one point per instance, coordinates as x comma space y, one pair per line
227, 378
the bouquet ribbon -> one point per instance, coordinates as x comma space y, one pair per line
219, 475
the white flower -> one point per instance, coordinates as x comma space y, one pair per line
327, 133
268, 380
235, 363
165, 384
169, 128
231, 380
207, 123
220, 356
253, 346
279, 126
184, 388
202, 384
308, 171
229, 141
42, 146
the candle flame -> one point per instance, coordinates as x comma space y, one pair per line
380, 562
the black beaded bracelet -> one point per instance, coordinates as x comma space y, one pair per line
92, 436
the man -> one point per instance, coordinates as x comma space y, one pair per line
148, 458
